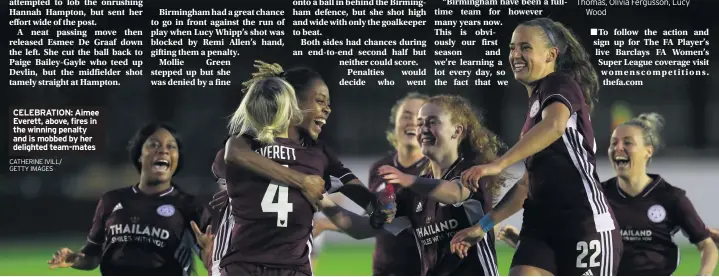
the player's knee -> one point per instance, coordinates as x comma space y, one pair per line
526, 270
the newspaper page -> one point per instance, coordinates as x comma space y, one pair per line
491, 137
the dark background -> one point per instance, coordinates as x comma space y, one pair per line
60, 201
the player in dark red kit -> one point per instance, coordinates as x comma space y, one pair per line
143, 229
568, 226
436, 204
649, 210
214, 243
314, 100
397, 255
273, 221
313, 97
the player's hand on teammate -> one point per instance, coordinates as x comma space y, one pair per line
313, 188
392, 175
465, 239
509, 234
220, 200
64, 258
470, 177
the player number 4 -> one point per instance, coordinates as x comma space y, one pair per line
585, 247
282, 207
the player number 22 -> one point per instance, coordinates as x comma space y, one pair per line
282, 207
585, 247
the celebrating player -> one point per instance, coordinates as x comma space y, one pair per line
221, 216
273, 225
649, 210
143, 229
265, 240
314, 100
437, 205
397, 255
564, 210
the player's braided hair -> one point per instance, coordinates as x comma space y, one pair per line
478, 144
264, 70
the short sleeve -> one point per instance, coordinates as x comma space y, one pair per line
689, 220
219, 168
97, 231
336, 169
561, 88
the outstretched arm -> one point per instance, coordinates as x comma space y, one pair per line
323, 224
446, 192
512, 202
709, 255
352, 224
546, 132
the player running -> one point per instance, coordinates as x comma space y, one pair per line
565, 209
143, 229
649, 210
437, 205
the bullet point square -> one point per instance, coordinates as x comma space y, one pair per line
593, 32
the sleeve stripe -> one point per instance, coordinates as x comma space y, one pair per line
91, 241
563, 100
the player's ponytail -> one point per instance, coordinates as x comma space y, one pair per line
478, 143
268, 109
651, 125
572, 59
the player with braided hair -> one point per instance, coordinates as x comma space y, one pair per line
312, 95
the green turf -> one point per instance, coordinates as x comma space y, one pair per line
25, 258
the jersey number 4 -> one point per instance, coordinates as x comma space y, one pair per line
282, 207
585, 248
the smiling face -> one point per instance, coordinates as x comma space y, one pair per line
628, 151
530, 56
405, 124
438, 135
315, 108
159, 157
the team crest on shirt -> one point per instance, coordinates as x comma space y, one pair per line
657, 213
534, 109
166, 210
